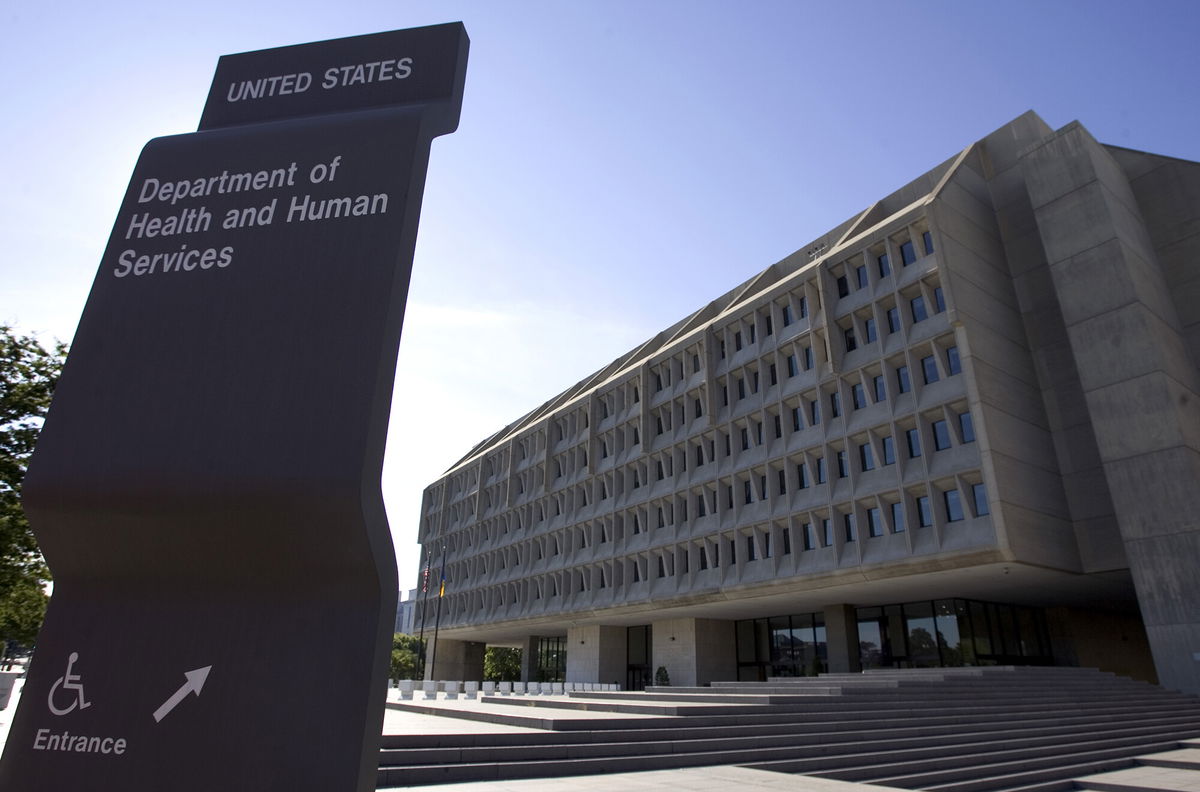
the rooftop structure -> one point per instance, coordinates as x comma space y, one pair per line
960, 428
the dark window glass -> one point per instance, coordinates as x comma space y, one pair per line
751, 551
897, 518
917, 304
774, 375
954, 509
953, 364
814, 412
722, 349
843, 286
802, 475
979, 494
747, 492
858, 395
907, 254
737, 341
880, 388
745, 438
786, 534
843, 468
810, 536
658, 383
695, 363
848, 524
866, 457
903, 385
758, 432
793, 368
869, 329
741, 388
782, 476
797, 424
820, 470
889, 450
913, 436
885, 266
966, 427
893, 319
860, 274
874, 522
787, 315
724, 395
803, 307
753, 333
778, 427
754, 382
929, 369
699, 456
927, 238
941, 435
924, 512
835, 404
939, 300
699, 408
851, 344
808, 358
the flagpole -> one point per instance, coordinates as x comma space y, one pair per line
424, 599
437, 622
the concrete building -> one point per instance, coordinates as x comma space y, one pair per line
960, 428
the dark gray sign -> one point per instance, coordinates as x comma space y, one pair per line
206, 487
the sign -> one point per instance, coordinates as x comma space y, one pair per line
206, 486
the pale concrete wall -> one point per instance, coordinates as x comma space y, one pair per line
1143, 399
694, 651
456, 660
596, 653
841, 639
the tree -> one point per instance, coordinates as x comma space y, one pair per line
28, 376
408, 652
501, 664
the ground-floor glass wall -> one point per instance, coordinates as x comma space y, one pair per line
552, 659
952, 632
638, 673
781, 646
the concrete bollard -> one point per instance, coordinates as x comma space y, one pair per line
518, 688
451, 689
429, 689
489, 688
470, 690
405, 687
504, 689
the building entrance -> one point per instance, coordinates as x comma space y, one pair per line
638, 672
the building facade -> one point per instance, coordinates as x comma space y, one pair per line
960, 428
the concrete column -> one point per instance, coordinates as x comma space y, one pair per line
529, 658
596, 653
694, 651
460, 660
841, 639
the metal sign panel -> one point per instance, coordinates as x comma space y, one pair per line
206, 486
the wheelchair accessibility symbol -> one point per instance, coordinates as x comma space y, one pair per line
68, 683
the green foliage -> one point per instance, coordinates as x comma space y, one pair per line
28, 376
661, 677
408, 653
501, 664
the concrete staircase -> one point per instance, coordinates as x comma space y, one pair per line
951, 730
1169, 771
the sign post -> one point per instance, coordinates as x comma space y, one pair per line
206, 488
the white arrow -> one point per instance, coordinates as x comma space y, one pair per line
195, 682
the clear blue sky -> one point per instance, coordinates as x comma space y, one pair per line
618, 163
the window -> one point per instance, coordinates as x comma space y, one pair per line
695, 363
786, 535
792, 365
724, 395
917, 306
797, 425
809, 535
860, 274
885, 267
848, 523
843, 286
843, 468
787, 315
897, 518
953, 364
803, 307
698, 408
751, 553
778, 427
658, 383
781, 477
874, 522
737, 341
753, 332
774, 374
893, 319
954, 509
889, 450
820, 470
858, 394
913, 436
814, 412
927, 238
802, 475
741, 387
929, 369
941, 435
754, 382
699, 456
907, 254
866, 457
979, 495
939, 300
966, 427
808, 358
722, 349
758, 432
924, 512
903, 385
745, 438
747, 492
827, 531
880, 389
869, 330
835, 404
851, 344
